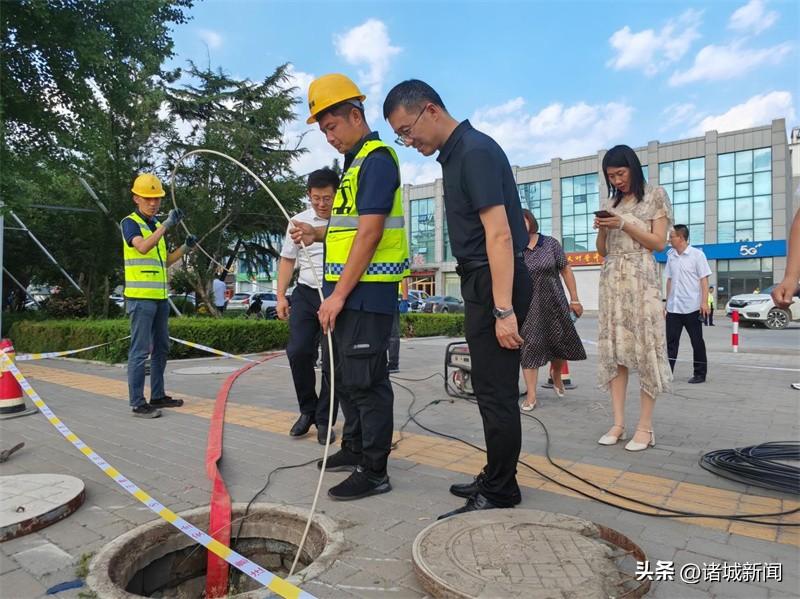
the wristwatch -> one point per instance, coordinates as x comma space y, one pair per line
502, 313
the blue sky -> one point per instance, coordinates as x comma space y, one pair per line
545, 79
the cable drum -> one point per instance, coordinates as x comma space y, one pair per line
759, 465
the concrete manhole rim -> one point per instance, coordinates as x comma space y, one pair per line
32, 522
442, 589
99, 578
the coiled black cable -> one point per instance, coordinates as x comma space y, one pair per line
758, 465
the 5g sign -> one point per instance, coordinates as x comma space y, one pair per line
748, 251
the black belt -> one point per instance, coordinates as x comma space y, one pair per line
468, 266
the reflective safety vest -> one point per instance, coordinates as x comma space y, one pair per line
145, 274
389, 263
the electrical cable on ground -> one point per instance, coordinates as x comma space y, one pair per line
672, 513
329, 336
235, 542
758, 465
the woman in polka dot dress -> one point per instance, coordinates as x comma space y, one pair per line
549, 331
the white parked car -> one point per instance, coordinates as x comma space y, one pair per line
759, 308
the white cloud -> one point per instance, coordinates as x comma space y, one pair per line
758, 110
752, 18
297, 133
368, 46
212, 39
651, 51
555, 130
419, 172
715, 63
675, 115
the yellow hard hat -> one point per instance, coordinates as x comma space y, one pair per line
330, 90
148, 186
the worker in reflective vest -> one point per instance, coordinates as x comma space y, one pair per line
146, 289
366, 256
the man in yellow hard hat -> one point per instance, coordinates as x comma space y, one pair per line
366, 256
146, 291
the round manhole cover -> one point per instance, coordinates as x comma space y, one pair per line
525, 553
33, 501
206, 370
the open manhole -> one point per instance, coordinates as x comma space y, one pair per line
157, 560
528, 554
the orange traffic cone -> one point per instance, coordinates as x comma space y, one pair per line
565, 377
12, 400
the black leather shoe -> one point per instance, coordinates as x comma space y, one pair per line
474, 503
343, 460
302, 425
467, 490
322, 435
359, 485
697, 379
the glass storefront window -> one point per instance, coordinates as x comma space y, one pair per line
580, 197
736, 277
746, 176
538, 198
447, 252
685, 185
423, 230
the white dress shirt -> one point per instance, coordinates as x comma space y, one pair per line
293, 252
219, 292
685, 271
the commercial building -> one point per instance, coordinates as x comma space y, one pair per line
734, 190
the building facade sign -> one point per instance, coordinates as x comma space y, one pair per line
738, 250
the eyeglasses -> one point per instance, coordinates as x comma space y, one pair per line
404, 138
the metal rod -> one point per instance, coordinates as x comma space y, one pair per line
21, 286
61, 208
44, 249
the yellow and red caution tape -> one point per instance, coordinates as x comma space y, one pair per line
262, 575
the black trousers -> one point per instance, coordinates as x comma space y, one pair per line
693, 324
709, 321
304, 338
394, 341
495, 379
361, 340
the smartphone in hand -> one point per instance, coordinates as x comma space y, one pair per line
603, 214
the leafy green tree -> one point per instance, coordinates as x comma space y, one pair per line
225, 207
81, 84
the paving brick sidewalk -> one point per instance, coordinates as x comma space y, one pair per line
738, 406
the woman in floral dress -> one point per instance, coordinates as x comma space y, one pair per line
631, 320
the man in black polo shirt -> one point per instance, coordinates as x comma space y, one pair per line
487, 236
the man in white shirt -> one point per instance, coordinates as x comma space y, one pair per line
219, 289
687, 273
304, 326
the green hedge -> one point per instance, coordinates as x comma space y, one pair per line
431, 325
236, 336
227, 335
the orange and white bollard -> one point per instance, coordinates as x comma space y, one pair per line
735, 333
12, 400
